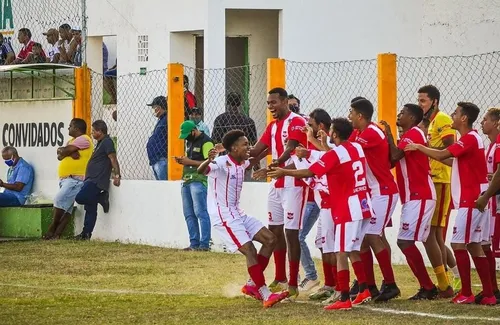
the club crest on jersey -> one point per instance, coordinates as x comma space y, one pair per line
454, 230
323, 240
373, 220
405, 226
289, 215
490, 160
270, 215
364, 205
478, 229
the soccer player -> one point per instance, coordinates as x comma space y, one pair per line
469, 180
344, 167
440, 136
287, 196
383, 192
418, 198
225, 181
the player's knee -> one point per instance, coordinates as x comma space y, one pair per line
456, 246
270, 241
404, 244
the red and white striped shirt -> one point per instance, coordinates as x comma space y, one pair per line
492, 161
413, 171
277, 133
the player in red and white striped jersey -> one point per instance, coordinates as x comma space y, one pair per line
344, 167
287, 196
468, 181
383, 192
234, 226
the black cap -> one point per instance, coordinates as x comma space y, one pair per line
159, 101
195, 110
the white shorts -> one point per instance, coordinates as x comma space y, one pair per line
236, 232
383, 207
349, 235
486, 230
469, 226
289, 202
325, 235
416, 217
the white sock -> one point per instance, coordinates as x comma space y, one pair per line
455, 272
264, 292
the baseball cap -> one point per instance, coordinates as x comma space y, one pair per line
195, 110
76, 29
51, 31
159, 101
186, 128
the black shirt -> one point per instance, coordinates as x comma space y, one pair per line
99, 166
230, 121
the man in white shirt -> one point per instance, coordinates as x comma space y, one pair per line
53, 54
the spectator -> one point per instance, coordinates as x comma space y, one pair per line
109, 82
157, 142
75, 47
20, 176
194, 187
24, 37
7, 55
37, 55
195, 115
54, 56
95, 187
105, 55
66, 36
294, 104
73, 158
189, 99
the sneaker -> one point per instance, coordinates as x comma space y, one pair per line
390, 291
202, 249
354, 289
340, 305
463, 300
382, 287
423, 294
446, 294
82, 236
274, 298
307, 285
362, 297
374, 291
293, 293
490, 301
104, 201
276, 286
497, 295
322, 294
456, 284
333, 298
251, 291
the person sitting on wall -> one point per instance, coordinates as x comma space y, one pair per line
7, 54
20, 176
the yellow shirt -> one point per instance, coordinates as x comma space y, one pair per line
440, 128
76, 167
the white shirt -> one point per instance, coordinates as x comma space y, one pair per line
52, 50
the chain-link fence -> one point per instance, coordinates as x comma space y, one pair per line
122, 103
473, 79
332, 85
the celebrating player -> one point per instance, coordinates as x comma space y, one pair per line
287, 196
469, 179
344, 167
225, 181
384, 195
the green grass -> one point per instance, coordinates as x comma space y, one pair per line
61, 282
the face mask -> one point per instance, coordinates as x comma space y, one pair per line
196, 120
294, 108
10, 162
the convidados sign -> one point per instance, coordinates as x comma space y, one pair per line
46, 134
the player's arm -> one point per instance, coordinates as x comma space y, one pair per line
447, 162
297, 173
396, 154
290, 147
435, 154
204, 167
492, 190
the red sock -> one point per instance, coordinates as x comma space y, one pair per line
359, 271
414, 257
483, 270
280, 265
493, 270
294, 273
367, 259
343, 281
335, 277
463, 264
263, 261
384, 261
329, 279
257, 275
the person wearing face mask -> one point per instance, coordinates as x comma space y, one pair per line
157, 142
294, 104
196, 116
20, 176
194, 186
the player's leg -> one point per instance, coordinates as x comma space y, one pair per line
311, 215
355, 233
491, 256
276, 224
329, 258
268, 241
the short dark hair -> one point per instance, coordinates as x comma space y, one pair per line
319, 115
65, 26
363, 107
100, 125
470, 110
231, 137
291, 96
431, 91
80, 124
25, 31
494, 112
342, 127
233, 99
280, 91
12, 150
37, 45
415, 111
356, 99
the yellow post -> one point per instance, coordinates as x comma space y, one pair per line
387, 89
81, 103
275, 78
175, 117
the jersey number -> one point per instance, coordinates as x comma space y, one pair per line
357, 167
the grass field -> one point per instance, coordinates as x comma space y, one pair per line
65, 282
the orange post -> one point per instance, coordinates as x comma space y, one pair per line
175, 117
387, 89
81, 102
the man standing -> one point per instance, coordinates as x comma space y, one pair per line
95, 187
74, 158
53, 49
440, 136
157, 142
194, 187
20, 176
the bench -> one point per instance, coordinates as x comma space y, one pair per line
30, 221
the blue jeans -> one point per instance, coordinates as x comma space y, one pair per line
194, 206
89, 197
9, 200
160, 169
310, 217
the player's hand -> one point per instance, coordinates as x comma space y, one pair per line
386, 126
481, 203
490, 177
301, 152
307, 129
412, 147
276, 172
322, 136
212, 154
219, 148
274, 163
260, 174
